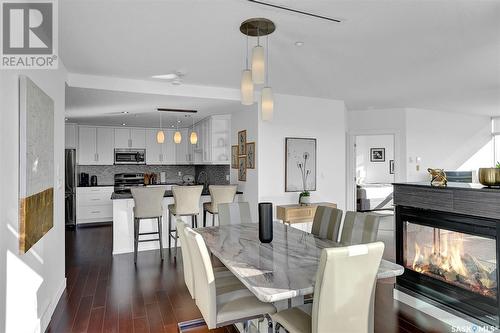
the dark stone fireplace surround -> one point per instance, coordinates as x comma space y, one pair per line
467, 208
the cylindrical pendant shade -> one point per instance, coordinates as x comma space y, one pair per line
246, 87
160, 136
266, 222
177, 137
193, 138
267, 104
258, 65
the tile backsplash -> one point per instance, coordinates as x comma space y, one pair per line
105, 173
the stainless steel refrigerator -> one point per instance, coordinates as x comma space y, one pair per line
70, 187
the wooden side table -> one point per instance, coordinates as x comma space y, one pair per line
299, 213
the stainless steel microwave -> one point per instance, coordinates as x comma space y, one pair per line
130, 156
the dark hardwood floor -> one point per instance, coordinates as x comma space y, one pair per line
109, 294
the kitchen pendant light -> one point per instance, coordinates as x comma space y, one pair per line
267, 100
160, 136
193, 138
177, 134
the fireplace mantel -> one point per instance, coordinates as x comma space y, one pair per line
459, 198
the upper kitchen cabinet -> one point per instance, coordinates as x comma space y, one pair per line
95, 145
213, 146
70, 136
130, 138
162, 153
182, 149
154, 149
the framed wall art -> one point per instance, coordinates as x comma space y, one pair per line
242, 168
250, 155
300, 164
377, 154
242, 142
234, 157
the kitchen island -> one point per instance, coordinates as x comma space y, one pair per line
123, 222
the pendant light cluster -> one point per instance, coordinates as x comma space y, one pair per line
177, 138
259, 72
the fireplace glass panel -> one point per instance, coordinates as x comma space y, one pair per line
463, 260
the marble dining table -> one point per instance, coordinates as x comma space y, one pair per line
280, 270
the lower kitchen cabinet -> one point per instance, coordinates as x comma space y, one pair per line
94, 204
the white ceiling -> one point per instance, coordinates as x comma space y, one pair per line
104, 107
409, 53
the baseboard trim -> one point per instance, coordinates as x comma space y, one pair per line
47, 316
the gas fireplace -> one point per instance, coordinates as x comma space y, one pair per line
451, 259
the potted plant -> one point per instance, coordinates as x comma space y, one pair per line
305, 195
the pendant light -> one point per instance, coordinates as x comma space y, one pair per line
177, 134
258, 63
160, 136
246, 82
193, 138
267, 100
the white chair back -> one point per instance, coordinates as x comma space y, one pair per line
234, 213
187, 199
204, 280
148, 201
187, 264
221, 194
350, 274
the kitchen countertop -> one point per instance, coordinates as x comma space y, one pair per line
103, 185
168, 194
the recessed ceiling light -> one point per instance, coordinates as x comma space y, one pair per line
169, 76
66, 119
124, 124
125, 112
299, 43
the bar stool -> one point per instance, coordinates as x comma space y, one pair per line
218, 194
148, 205
186, 203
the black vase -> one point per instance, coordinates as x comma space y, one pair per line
266, 222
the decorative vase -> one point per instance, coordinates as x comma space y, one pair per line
266, 222
489, 176
305, 200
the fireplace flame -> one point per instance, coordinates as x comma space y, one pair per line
445, 259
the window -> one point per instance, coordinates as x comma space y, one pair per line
495, 128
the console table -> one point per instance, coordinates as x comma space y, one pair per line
299, 213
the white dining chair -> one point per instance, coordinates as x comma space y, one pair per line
186, 203
218, 194
343, 293
224, 278
359, 228
234, 213
147, 205
219, 306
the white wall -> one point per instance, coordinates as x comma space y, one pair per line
247, 120
451, 141
368, 172
30, 284
296, 116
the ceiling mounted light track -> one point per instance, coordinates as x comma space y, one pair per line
176, 110
331, 19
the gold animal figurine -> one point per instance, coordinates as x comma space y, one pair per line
438, 177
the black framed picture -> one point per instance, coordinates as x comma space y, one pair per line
377, 154
391, 167
300, 164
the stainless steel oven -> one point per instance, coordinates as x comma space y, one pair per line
130, 156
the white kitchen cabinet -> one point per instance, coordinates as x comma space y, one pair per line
220, 140
94, 204
87, 139
105, 146
130, 137
181, 149
169, 147
138, 138
154, 150
70, 136
95, 145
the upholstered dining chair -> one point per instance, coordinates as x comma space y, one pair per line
186, 203
218, 194
349, 273
147, 205
359, 228
221, 307
326, 222
234, 213
223, 277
